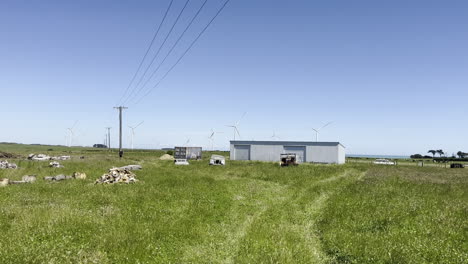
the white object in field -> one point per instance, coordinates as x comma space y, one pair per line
181, 162
217, 160
39, 157
384, 162
55, 164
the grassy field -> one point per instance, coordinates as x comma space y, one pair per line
245, 212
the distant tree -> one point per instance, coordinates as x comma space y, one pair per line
462, 154
433, 152
440, 152
416, 156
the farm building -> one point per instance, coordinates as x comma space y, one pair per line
316, 152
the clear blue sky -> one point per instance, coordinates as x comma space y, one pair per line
392, 75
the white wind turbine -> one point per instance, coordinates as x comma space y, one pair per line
211, 137
317, 131
235, 125
133, 132
187, 142
71, 134
274, 136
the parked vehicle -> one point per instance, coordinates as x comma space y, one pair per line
288, 159
217, 160
457, 166
384, 162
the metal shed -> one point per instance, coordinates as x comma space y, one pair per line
306, 151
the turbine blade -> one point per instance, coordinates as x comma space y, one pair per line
327, 124
139, 124
237, 132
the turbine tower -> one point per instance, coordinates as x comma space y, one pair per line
235, 125
133, 132
211, 137
317, 131
71, 134
274, 136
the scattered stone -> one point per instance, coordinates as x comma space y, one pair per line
29, 178
17, 182
55, 164
38, 157
117, 175
79, 175
166, 157
42, 157
60, 158
59, 177
131, 167
4, 164
4, 182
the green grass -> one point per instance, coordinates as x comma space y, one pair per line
245, 212
399, 215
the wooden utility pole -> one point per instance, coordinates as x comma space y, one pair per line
120, 128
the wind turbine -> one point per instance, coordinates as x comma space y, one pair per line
72, 133
274, 136
211, 137
317, 131
234, 126
133, 131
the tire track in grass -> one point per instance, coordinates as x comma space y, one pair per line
293, 238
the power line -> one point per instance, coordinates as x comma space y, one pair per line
170, 51
159, 50
185, 52
147, 51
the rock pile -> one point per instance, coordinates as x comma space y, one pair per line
117, 175
38, 157
45, 157
166, 157
4, 164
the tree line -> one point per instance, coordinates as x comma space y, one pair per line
441, 153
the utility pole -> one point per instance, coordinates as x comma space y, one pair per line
108, 137
120, 128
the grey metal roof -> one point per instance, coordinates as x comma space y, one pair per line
305, 143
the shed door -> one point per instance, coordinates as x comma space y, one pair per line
242, 152
298, 150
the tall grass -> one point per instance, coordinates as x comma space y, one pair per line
399, 215
245, 212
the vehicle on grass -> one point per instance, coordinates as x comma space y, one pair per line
457, 166
217, 160
384, 162
288, 159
